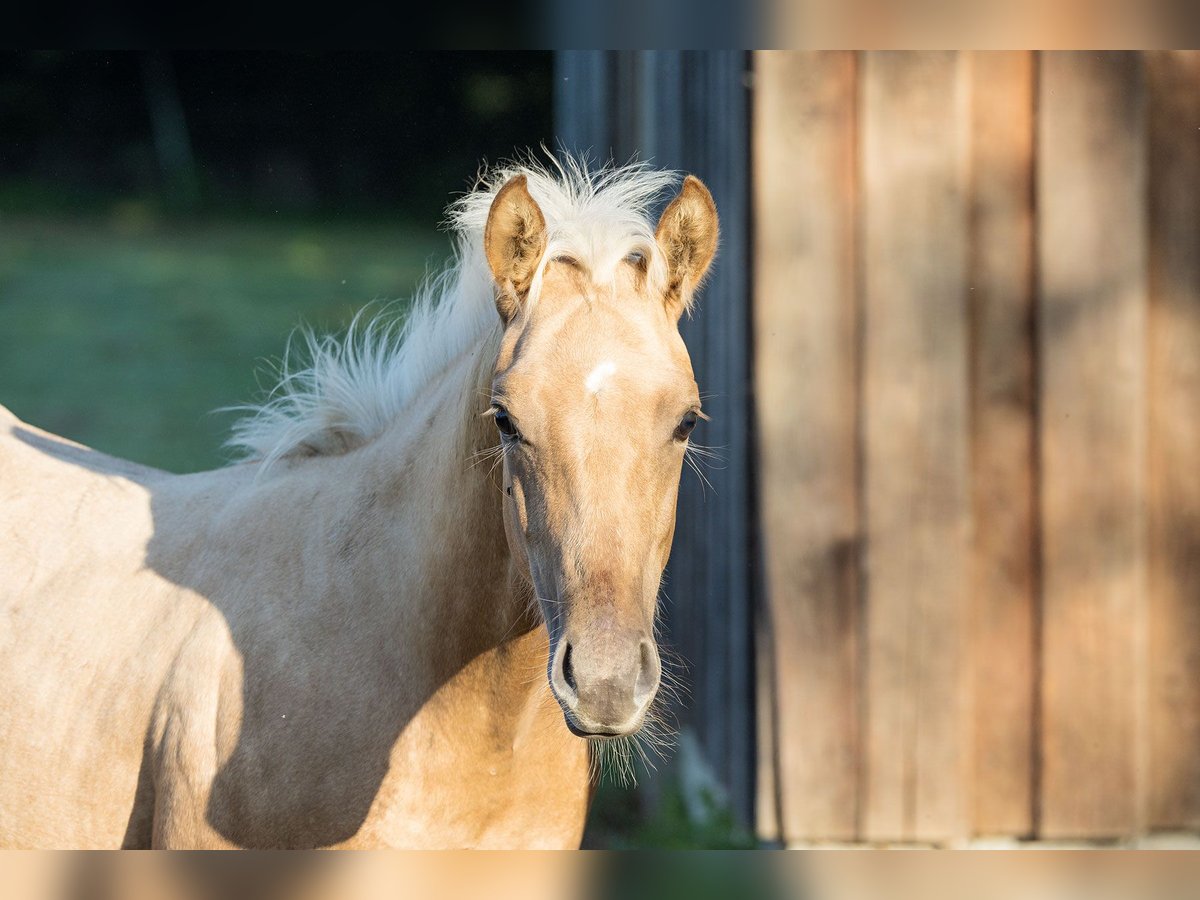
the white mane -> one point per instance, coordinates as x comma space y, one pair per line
348, 389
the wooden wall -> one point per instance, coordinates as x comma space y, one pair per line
948, 584
977, 370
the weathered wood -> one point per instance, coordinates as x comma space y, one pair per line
1091, 334
915, 409
718, 151
1174, 440
582, 102
806, 398
1002, 441
1019, 651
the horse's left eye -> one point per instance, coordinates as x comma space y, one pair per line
504, 423
686, 425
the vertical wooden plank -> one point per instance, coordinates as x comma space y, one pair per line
1174, 439
1092, 261
1002, 440
582, 101
915, 125
732, 147
719, 109
805, 369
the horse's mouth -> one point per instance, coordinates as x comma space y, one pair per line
591, 735
600, 732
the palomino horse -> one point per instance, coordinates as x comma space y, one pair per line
338, 642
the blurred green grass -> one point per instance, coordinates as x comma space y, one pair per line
125, 331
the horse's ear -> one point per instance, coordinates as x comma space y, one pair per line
514, 241
687, 234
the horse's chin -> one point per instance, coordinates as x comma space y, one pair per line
602, 733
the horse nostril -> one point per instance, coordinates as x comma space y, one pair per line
649, 673
568, 670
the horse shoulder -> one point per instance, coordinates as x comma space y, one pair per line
192, 731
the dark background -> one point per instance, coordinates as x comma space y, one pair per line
168, 219
341, 134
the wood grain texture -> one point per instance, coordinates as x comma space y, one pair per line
582, 102
1092, 328
976, 338
805, 336
914, 155
1174, 440
1002, 440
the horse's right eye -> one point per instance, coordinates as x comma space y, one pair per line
504, 423
686, 425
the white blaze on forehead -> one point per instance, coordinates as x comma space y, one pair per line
599, 375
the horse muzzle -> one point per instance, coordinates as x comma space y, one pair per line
605, 684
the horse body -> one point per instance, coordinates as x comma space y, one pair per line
184, 666
363, 637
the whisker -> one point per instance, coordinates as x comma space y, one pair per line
705, 484
710, 456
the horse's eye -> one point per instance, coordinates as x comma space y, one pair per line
504, 423
685, 426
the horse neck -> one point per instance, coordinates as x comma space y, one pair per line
443, 516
